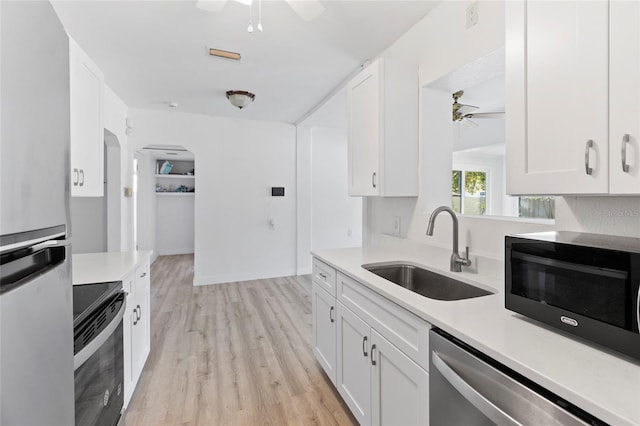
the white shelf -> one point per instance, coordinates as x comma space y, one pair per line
170, 176
175, 194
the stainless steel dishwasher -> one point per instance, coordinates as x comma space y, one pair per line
468, 388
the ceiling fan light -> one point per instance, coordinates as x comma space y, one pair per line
240, 98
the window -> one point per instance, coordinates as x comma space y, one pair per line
542, 207
469, 191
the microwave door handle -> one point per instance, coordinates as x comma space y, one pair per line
93, 346
488, 408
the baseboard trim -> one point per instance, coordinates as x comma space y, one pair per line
174, 252
228, 278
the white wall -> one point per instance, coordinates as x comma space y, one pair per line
336, 217
115, 115
441, 43
238, 163
303, 202
174, 224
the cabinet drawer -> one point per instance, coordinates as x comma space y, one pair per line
402, 328
325, 276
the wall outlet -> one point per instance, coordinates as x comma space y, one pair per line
472, 14
396, 225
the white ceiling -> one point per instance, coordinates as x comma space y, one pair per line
156, 52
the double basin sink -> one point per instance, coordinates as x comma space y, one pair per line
426, 283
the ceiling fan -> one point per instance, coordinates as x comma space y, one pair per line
308, 10
463, 113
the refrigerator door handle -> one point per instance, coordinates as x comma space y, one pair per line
95, 345
478, 400
52, 243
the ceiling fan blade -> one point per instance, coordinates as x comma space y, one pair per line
308, 10
468, 123
466, 109
211, 5
496, 114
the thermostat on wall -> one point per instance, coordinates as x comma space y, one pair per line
277, 191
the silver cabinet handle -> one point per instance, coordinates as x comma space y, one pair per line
373, 179
324, 277
331, 314
76, 177
139, 312
373, 348
638, 309
82, 174
587, 147
478, 400
135, 312
364, 343
623, 153
144, 274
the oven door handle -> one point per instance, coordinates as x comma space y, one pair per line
93, 346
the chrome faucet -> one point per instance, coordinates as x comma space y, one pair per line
457, 261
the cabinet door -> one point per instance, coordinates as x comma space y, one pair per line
86, 126
127, 331
365, 99
140, 335
400, 387
557, 75
324, 330
354, 371
624, 99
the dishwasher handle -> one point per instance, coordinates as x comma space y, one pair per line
488, 408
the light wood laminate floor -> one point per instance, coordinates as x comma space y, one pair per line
231, 354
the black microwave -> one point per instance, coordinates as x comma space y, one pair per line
585, 284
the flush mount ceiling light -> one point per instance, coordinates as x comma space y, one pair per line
240, 98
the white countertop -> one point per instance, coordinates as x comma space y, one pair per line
603, 384
103, 267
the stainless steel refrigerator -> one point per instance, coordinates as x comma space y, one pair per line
36, 317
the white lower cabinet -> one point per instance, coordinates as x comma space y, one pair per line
354, 370
382, 383
136, 323
324, 330
399, 386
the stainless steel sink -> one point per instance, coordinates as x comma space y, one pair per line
426, 283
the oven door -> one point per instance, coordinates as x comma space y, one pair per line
99, 367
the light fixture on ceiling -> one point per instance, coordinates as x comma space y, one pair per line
308, 10
463, 113
240, 98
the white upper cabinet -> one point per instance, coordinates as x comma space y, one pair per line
87, 130
383, 130
557, 97
624, 101
573, 97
